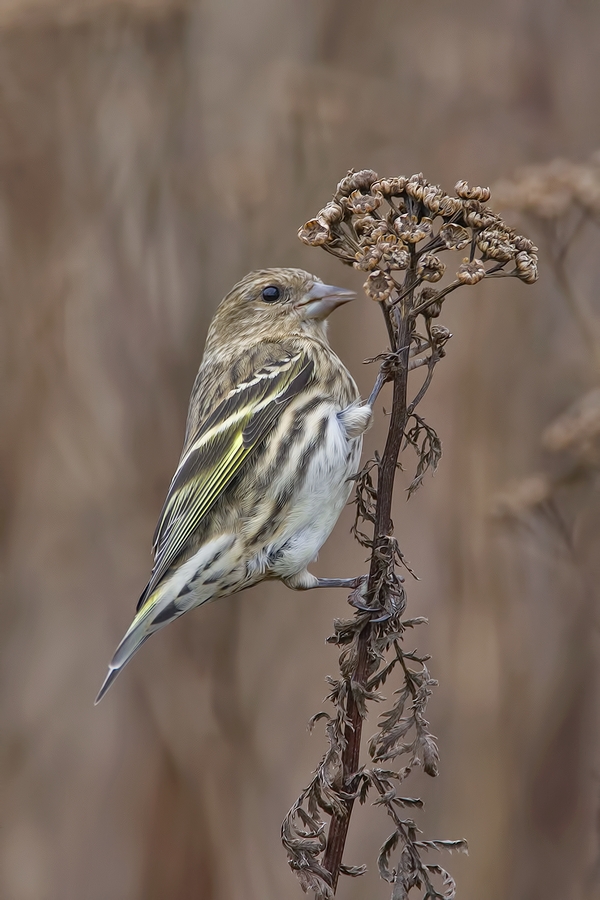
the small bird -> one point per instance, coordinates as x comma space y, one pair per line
273, 438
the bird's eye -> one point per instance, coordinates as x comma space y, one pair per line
271, 293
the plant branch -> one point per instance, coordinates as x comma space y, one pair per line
338, 828
351, 228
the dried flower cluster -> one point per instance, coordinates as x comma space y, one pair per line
561, 200
556, 508
395, 230
577, 428
553, 190
575, 434
402, 225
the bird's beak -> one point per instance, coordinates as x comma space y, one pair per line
322, 299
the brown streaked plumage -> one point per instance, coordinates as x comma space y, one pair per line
274, 432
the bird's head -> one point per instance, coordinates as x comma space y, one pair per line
274, 304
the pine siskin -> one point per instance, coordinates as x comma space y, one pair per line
274, 434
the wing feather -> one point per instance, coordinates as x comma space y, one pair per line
219, 448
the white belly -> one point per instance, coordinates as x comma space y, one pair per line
322, 495
236, 559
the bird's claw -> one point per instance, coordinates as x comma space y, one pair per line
359, 593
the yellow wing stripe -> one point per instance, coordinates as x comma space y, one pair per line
207, 497
216, 455
202, 499
244, 412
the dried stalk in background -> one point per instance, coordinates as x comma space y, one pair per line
560, 200
394, 229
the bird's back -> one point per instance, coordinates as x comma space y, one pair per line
261, 494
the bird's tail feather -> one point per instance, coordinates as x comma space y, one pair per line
112, 674
153, 616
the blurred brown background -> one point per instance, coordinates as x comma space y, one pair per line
151, 153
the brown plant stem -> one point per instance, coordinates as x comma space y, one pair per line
383, 244
399, 330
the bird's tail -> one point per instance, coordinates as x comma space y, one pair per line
152, 616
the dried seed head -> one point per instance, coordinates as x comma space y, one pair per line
368, 258
416, 186
527, 266
472, 193
379, 286
433, 198
314, 233
382, 230
578, 425
332, 214
549, 191
587, 186
429, 295
521, 496
365, 179
411, 229
391, 217
354, 181
455, 237
433, 310
430, 267
365, 226
440, 334
449, 206
496, 243
476, 215
390, 187
363, 204
471, 272
523, 243
394, 252
370, 238
426, 294
381, 239
387, 243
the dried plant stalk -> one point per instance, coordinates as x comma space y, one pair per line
560, 202
395, 229
554, 510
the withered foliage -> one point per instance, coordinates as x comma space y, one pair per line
396, 225
396, 230
554, 192
560, 200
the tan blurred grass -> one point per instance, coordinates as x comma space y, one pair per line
149, 156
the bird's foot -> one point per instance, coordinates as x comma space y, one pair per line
351, 583
381, 614
377, 613
304, 581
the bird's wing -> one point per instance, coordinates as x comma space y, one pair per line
218, 450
